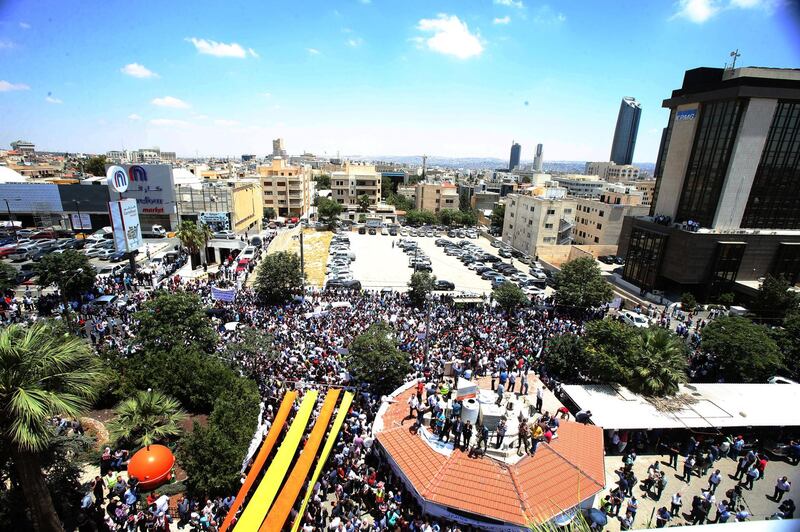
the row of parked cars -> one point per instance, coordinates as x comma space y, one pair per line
419, 261
339, 258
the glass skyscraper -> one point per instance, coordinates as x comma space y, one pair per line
516, 150
626, 131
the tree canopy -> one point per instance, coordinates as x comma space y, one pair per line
145, 418
8, 276
420, 286
70, 271
420, 217
278, 277
580, 284
323, 182
498, 215
745, 351
774, 299
96, 165
328, 210
510, 297
363, 203
193, 237
375, 360
400, 202
174, 319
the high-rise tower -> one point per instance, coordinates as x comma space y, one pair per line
516, 151
537, 160
625, 134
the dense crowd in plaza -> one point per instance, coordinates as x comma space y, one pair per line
357, 490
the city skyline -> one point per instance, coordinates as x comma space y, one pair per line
450, 79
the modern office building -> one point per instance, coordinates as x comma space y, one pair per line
581, 186
625, 133
285, 188
533, 221
599, 221
436, 196
537, 159
356, 180
516, 152
726, 208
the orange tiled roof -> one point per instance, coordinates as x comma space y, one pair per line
559, 476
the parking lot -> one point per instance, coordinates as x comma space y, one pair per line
381, 263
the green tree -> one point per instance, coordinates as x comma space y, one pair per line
269, 213
447, 217
467, 218
774, 298
580, 284
745, 351
363, 203
788, 340
146, 418
70, 271
96, 165
402, 203
323, 182
658, 362
374, 359
564, 358
169, 320
463, 200
688, 302
278, 277
43, 373
420, 286
726, 299
510, 297
8, 276
328, 211
194, 237
498, 215
607, 349
212, 455
387, 186
417, 218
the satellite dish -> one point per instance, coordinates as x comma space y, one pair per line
419, 171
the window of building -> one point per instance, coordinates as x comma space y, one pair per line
511, 226
601, 214
530, 222
643, 259
774, 201
551, 211
599, 226
548, 239
726, 266
548, 226
708, 163
596, 240
787, 261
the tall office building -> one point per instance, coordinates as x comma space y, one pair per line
278, 149
537, 159
726, 206
516, 151
627, 128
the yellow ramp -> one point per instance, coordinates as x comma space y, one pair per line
344, 407
262, 499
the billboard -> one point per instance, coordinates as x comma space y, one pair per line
217, 221
80, 222
151, 185
125, 223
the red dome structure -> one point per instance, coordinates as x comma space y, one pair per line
152, 466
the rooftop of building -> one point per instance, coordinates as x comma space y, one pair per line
724, 83
560, 475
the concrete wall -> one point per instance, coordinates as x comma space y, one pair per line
558, 255
677, 159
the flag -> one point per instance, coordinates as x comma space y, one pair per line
223, 294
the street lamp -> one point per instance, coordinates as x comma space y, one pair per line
80, 220
10, 219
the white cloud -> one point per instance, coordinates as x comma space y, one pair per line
226, 123
313, 51
24, 25
365, 2
502, 20
355, 42
697, 11
546, 15
170, 101
221, 49
7, 45
52, 99
510, 3
138, 71
168, 122
451, 36
134, 116
7, 86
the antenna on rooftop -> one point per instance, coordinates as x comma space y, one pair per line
735, 54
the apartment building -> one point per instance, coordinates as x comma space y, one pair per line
435, 197
646, 186
599, 221
533, 221
581, 186
285, 188
356, 180
609, 171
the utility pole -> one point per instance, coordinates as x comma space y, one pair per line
302, 263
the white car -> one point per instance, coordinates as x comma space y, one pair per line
633, 319
226, 234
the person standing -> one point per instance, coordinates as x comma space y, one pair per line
782, 487
539, 398
663, 517
675, 505
688, 465
750, 477
714, 480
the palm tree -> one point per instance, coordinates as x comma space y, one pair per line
44, 372
194, 237
659, 362
146, 418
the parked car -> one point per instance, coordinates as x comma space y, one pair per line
634, 319
619, 260
489, 274
118, 256
349, 285
225, 234
505, 253
393, 231
256, 241
362, 230
496, 243
444, 285
373, 231
606, 259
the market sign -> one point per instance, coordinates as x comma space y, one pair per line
125, 224
151, 185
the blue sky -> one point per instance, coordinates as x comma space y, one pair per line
371, 77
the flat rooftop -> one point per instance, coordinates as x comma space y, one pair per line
695, 406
